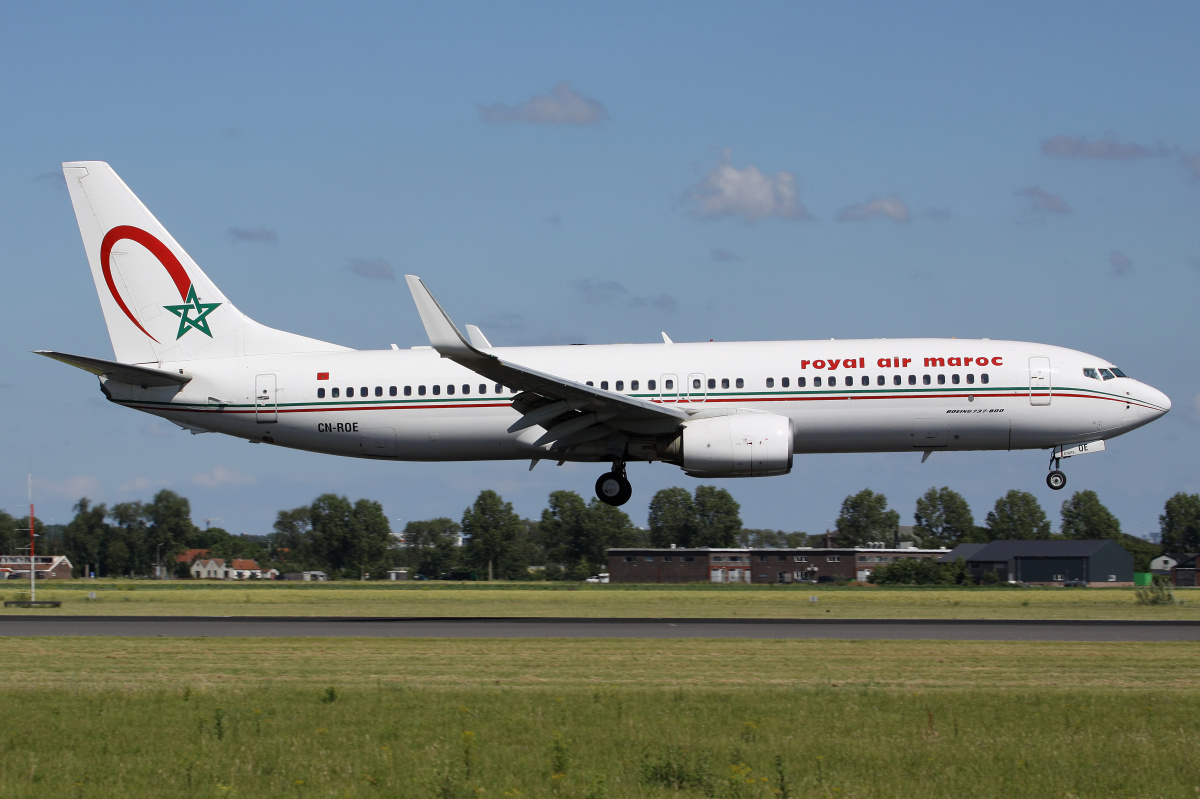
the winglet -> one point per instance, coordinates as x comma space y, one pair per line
478, 340
443, 335
666, 338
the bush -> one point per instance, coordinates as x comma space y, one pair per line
1159, 592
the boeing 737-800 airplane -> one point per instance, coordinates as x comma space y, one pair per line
184, 352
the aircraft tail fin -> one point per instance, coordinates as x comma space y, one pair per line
158, 304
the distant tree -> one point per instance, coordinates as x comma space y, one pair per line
431, 545
717, 519
129, 549
1018, 517
291, 539
1179, 524
334, 535
1085, 518
563, 528
85, 536
911, 571
865, 517
498, 546
943, 518
606, 527
672, 518
9, 535
753, 537
170, 519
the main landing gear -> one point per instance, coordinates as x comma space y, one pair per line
613, 488
1056, 479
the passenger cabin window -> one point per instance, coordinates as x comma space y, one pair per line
784, 382
970, 380
604, 385
590, 383
740, 383
954, 379
379, 391
483, 388
421, 390
437, 390
336, 391
725, 382
391, 391
669, 385
651, 385
880, 380
362, 392
1090, 372
621, 385
770, 382
941, 380
801, 382
408, 391
500, 388
912, 380
466, 388
320, 393
866, 381
925, 379
983, 378
896, 380
350, 391
696, 384
450, 389
832, 380
633, 385
816, 381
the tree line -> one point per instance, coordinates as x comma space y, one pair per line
349, 539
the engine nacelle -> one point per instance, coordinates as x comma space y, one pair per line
738, 445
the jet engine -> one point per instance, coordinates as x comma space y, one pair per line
738, 445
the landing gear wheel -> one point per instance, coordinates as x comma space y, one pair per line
613, 489
1056, 480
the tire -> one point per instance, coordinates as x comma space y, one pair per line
613, 489
1056, 480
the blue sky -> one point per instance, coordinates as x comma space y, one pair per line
560, 174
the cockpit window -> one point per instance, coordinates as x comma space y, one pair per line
1106, 374
1090, 372
1117, 372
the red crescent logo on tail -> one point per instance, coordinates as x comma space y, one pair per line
157, 249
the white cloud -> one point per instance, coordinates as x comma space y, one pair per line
72, 487
373, 268
1120, 263
891, 207
746, 193
220, 476
1043, 202
259, 234
1106, 149
562, 106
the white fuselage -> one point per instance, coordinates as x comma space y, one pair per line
842, 396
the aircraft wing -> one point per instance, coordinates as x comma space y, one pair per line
144, 376
572, 413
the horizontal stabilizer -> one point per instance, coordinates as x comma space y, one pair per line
144, 376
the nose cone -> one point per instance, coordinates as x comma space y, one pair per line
1157, 402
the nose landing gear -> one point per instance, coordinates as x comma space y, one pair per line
613, 488
1056, 479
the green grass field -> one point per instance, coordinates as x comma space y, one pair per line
187, 598
99, 717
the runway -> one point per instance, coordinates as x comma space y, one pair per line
343, 627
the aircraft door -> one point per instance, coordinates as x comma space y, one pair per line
696, 392
668, 388
266, 408
1039, 381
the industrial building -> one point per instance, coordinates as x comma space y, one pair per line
1096, 563
761, 566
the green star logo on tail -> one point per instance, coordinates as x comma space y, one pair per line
199, 321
